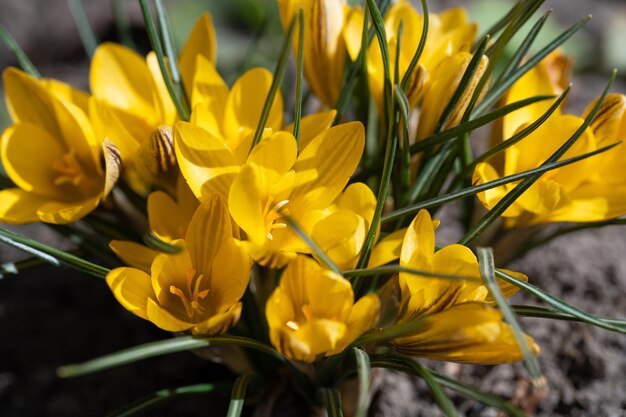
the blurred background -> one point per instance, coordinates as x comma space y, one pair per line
51, 317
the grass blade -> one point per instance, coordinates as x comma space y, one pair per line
299, 77
85, 31
363, 373
547, 313
238, 396
155, 42
419, 50
559, 304
276, 80
162, 396
167, 40
18, 53
331, 400
488, 274
394, 269
51, 255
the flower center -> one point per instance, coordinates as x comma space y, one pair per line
274, 212
68, 169
191, 296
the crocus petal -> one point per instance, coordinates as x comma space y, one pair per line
320, 179
485, 172
230, 273
66, 92
132, 289
166, 111
167, 270
363, 317
419, 241
164, 319
18, 206
219, 323
276, 154
388, 249
204, 160
244, 204
34, 173
245, 103
341, 236
134, 254
321, 335
122, 78
166, 220
209, 90
201, 42
63, 213
312, 125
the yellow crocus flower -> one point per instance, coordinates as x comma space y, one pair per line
460, 323
134, 109
51, 153
276, 182
312, 312
589, 190
449, 32
168, 219
197, 289
324, 46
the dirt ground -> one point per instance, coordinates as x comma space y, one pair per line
51, 317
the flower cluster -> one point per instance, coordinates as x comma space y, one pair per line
317, 228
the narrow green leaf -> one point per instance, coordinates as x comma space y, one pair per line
299, 77
85, 31
51, 255
548, 313
488, 274
167, 40
14, 268
394, 269
155, 42
520, 188
154, 242
363, 374
238, 396
523, 48
511, 15
466, 192
559, 304
494, 94
138, 407
165, 347
405, 161
314, 246
276, 80
331, 400
392, 332
18, 53
391, 141
420, 48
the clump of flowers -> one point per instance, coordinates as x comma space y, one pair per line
318, 226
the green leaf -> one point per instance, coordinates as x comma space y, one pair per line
238, 396
495, 93
123, 24
331, 400
466, 192
405, 161
420, 47
155, 42
154, 242
520, 188
51, 255
85, 31
276, 80
547, 313
363, 374
488, 274
559, 304
162, 396
299, 77
167, 40
18, 53
394, 269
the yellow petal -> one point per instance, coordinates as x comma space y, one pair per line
210, 91
132, 288
353, 31
219, 323
388, 249
19, 207
245, 104
321, 335
121, 77
66, 92
35, 172
276, 153
360, 199
134, 254
312, 125
171, 269
485, 172
201, 42
211, 219
164, 106
204, 160
165, 218
320, 179
341, 236
165, 320
244, 204
230, 273
419, 241
363, 317
62, 213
